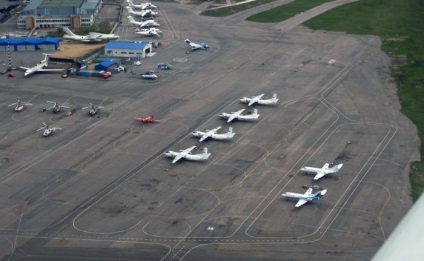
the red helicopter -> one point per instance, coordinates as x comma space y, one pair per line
148, 119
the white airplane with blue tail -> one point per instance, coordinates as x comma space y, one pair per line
321, 172
304, 198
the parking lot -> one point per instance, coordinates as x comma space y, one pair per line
101, 188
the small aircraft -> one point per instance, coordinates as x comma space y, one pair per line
149, 32
40, 67
186, 154
145, 75
48, 130
195, 46
213, 134
148, 119
144, 13
56, 108
142, 6
20, 105
92, 37
147, 23
93, 109
237, 115
258, 99
304, 198
321, 172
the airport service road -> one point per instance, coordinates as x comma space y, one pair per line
101, 188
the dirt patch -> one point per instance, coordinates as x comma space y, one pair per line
77, 50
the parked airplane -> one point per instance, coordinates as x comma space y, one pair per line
148, 119
321, 172
40, 67
56, 108
142, 6
149, 32
303, 198
92, 37
143, 13
195, 46
147, 23
258, 99
93, 109
213, 134
186, 154
20, 105
48, 130
237, 115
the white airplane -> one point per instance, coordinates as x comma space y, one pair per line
321, 172
141, 6
258, 99
213, 134
56, 107
48, 130
20, 105
303, 198
40, 67
149, 32
237, 115
92, 37
186, 154
196, 46
142, 13
147, 23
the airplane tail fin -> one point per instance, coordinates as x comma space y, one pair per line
67, 31
205, 151
320, 194
230, 130
337, 167
274, 97
255, 112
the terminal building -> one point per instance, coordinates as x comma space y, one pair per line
58, 13
128, 49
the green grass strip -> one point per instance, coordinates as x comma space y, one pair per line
225, 11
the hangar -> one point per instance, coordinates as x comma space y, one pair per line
128, 49
29, 44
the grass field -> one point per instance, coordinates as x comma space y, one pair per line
225, 11
286, 11
400, 24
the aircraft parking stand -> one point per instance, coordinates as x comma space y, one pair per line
101, 188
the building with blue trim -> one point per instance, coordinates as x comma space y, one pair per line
58, 13
128, 49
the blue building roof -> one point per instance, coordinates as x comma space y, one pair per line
125, 45
48, 40
28, 40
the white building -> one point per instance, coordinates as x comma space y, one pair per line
128, 49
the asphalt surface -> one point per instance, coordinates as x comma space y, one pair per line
101, 188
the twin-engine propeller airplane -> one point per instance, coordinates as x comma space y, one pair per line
147, 23
48, 130
142, 6
20, 105
92, 37
56, 107
304, 198
93, 109
186, 154
148, 119
321, 172
237, 115
149, 32
143, 13
196, 46
40, 67
203, 135
258, 99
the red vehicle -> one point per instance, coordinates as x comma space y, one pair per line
148, 119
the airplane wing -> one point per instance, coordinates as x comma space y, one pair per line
204, 137
50, 70
178, 157
308, 192
232, 117
255, 99
23, 68
319, 175
301, 202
